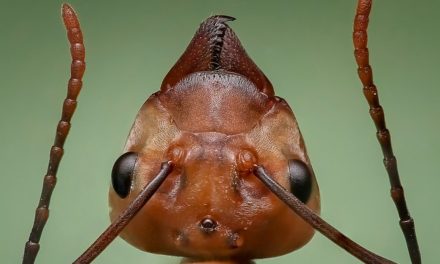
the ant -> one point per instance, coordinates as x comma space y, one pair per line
215, 168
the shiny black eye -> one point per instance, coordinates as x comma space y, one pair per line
300, 179
122, 173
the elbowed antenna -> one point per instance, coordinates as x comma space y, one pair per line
360, 40
361, 53
77, 67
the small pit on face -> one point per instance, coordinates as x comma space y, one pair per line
234, 240
181, 239
208, 225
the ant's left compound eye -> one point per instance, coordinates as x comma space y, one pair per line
122, 173
300, 178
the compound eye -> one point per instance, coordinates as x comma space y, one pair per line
122, 173
300, 178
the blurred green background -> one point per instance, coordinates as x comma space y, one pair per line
305, 49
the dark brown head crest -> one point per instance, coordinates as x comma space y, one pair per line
215, 47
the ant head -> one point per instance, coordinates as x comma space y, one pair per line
215, 119
212, 201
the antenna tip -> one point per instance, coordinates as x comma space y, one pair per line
66, 9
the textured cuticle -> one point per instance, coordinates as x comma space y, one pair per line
177, 155
246, 160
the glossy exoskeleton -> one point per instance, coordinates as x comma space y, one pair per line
219, 158
214, 117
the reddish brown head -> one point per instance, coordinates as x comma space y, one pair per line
215, 117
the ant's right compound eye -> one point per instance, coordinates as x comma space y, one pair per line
122, 173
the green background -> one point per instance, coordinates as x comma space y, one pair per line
305, 49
